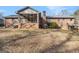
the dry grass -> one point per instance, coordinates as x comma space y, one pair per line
38, 41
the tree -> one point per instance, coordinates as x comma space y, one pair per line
53, 25
1, 19
64, 13
76, 12
76, 22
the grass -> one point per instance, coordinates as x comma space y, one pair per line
35, 41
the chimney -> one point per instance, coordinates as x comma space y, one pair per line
44, 13
44, 17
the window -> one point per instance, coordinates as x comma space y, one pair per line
32, 18
58, 20
70, 19
63, 19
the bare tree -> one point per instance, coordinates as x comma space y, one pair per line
76, 22
64, 13
1, 19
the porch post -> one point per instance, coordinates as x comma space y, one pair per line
38, 19
5, 23
19, 25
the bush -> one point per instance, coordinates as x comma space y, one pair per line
53, 25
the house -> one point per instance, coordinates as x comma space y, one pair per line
30, 18
25, 18
63, 21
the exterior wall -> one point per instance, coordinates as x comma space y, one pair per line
8, 22
63, 23
67, 22
30, 26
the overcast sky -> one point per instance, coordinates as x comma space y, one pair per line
51, 10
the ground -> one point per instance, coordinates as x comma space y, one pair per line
38, 41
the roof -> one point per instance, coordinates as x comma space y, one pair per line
60, 17
25, 9
12, 17
48, 17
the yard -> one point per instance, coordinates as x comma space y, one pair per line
38, 41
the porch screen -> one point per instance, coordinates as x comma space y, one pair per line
30, 18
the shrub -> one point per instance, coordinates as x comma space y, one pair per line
53, 25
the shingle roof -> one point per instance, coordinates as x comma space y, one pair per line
12, 16
60, 17
48, 17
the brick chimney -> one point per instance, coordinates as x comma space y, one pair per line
44, 13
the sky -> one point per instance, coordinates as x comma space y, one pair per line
50, 10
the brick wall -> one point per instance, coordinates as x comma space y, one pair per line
30, 25
63, 23
8, 22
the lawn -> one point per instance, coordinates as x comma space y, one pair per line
38, 41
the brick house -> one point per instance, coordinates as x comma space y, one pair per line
64, 21
25, 18
31, 18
